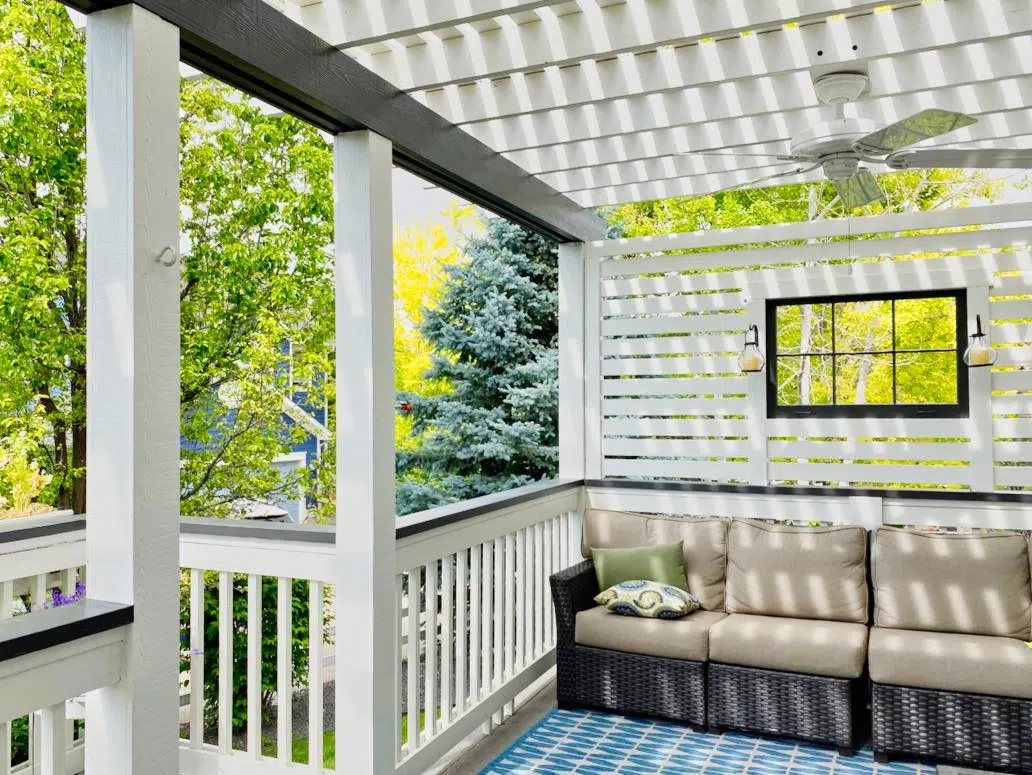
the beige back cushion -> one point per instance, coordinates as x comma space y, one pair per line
799, 572
976, 584
705, 545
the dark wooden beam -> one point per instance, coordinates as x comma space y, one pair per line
255, 48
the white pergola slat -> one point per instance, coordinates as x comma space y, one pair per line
360, 22
989, 97
602, 99
554, 40
891, 77
996, 126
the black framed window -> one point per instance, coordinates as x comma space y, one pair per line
872, 355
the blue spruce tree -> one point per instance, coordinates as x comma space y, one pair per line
494, 334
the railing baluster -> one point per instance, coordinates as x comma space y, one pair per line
486, 566
461, 640
316, 639
475, 612
575, 538
556, 567
430, 651
254, 665
540, 589
447, 654
284, 668
399, 614
528, 595
53, 745
510, 613
39, 592
6, 612
196, 657
521, 597
414, 606
564, 542
225, 662
547, 572
498, 647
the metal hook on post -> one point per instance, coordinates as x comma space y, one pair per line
167, 256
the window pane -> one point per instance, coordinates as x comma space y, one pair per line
863, 379
804, 380
926, 324
862, 326
926, 378
804, 328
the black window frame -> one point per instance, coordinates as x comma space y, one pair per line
960, 409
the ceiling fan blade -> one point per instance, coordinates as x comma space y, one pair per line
913, 129
778, 157
962, 158
756, 181
859, 190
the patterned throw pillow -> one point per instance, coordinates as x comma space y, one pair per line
648, 599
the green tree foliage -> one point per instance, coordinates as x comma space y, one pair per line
859, 347
256, 219
494, 337
258, 216
42, 231
905, 191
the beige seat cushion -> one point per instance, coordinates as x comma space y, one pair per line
797, 572
686, 638
836, 649
982, 664
705, 545
976, 584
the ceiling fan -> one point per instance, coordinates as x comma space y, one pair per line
844, 146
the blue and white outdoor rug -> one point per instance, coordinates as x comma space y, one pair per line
567, 741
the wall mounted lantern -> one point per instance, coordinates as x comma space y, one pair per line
751, 358
979, 352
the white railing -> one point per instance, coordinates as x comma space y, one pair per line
49, 659
475, 625
227, 561
38, 556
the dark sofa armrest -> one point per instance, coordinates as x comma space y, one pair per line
573, 590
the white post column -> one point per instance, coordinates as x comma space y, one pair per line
132, 341
365, 686
571, 360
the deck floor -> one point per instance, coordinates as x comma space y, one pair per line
538, 738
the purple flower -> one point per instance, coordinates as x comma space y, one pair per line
58, 600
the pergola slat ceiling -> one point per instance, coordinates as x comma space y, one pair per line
602, 98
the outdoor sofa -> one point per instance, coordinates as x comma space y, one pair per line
780, 645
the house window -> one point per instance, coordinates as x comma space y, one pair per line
877, 355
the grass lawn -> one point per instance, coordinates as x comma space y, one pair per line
299, 749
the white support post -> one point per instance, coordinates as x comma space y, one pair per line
365, 686
571, 360
756, 390
132, 344
592, 368
982, 468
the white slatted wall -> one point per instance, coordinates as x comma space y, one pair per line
672, 320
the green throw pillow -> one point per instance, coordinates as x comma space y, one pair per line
661, 562
647, 599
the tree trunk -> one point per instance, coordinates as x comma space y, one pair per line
78, 396
805, 334
78, 504
864, 371
61, 470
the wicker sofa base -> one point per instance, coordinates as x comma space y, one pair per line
635, 684
973, 730
808, 707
